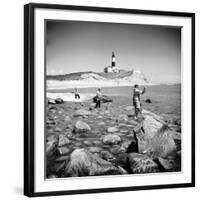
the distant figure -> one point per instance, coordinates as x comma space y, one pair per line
136, 99
76, 93
98, 98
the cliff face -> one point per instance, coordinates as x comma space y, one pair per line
95, 79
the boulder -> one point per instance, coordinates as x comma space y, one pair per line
111, 139
63, 151
63, 140
115, 149
84, 163
62, 158
59, 101
106, 155
162, 145
125, 145
94, 149
151, 123
138, 163
112, 129
52, 176
81, 126
148, 101
51, 101
155, 139
165, 164
51, 146
57, 167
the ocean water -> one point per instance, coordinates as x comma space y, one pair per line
166, 99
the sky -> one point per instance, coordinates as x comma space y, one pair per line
73, 46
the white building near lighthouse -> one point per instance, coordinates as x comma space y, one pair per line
112, 68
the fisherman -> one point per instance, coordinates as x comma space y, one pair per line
136, 100
98, 98
76, 93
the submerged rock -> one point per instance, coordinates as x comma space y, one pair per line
138, 163
84, 163
111, 139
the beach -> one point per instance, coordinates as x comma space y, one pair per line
109, 138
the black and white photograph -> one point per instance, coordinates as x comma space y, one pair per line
112, 99
108, 99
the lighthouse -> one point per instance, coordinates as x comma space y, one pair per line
112, 68
113, 64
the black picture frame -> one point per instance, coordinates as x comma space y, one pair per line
29, 95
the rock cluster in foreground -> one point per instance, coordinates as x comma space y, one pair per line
83, 141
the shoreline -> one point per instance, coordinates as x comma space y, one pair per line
61, 85
53, 85
69, 96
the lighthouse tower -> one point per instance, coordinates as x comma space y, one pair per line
113, 64
113, 67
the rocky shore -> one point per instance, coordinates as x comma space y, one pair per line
84, 141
